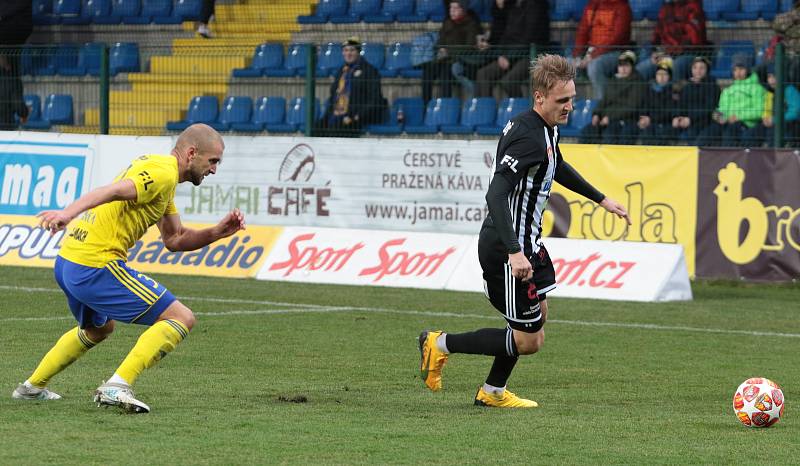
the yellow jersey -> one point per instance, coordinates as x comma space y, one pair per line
108, 231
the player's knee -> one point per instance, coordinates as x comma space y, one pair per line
98, 334
530, 343
181, 313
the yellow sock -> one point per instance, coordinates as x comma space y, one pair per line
161, 338
67, 350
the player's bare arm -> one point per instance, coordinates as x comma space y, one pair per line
177, 237
57, 220
615, 208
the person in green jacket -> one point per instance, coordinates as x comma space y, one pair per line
741, 106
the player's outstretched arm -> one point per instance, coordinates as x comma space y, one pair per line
56, 220
177, 237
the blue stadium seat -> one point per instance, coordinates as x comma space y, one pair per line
265, 56
786, 5
426, 10
441, 111
93, 9
68, 8
645, 9
43, 13
235, 109
38, 60
508, 109
398, 57
566, 10
375, 54
295, 117
202, 109
413, 109
267, 110
581, 116
187, 10
329, 60
357, 10
723, 59
120, 9
64, 57
35, 121
58, 109
391, 9
123, 58
80, 19
156, 10
325, 9
751, 10
478, 111
88, 61
714, 9
293, 65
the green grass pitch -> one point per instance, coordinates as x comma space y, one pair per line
618, 383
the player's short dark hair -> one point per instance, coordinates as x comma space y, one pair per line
548, 70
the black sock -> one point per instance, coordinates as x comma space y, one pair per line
501, 370
488, 341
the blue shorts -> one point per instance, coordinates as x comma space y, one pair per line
114, 292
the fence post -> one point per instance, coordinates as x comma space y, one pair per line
777, 103
104, 77
311, 69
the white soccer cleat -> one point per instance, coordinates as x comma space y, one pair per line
114, 394
24, 392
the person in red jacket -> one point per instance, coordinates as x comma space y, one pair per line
604, 30
679, 33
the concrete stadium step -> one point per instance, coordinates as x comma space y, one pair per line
192, 64
171, 98
238, 45
222, 30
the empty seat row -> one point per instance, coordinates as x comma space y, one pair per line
115, 11
241, 113
744, 10
268, 60
75, 60
57, 111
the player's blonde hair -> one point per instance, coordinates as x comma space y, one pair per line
548, 70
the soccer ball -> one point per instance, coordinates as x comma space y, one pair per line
758, 402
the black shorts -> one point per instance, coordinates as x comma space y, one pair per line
517, 301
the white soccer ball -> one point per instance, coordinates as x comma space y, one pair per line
758, 402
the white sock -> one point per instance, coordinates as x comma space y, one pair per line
497, 391
117, 379
442, 344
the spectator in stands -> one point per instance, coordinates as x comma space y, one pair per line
527, 23
604, 29
787, 26
655, 119
458, 37
614, 120
696, 103
355, 95
16, 25
791, 112
740, 109
206, 14
11, 99
466, 69
679, 33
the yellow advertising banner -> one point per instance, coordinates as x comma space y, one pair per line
22, 242
658, 186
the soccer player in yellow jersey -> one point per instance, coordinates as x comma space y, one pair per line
102, 289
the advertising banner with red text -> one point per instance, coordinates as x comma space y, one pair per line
364, 257
612, 270
748, 216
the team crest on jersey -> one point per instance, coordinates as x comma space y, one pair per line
508, 127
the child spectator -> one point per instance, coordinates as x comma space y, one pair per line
614, 121
655, 120
791, 113
740, 109
696, 102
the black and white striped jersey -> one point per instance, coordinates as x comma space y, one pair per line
527, 162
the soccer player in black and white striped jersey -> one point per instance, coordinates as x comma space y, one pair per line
517, 270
